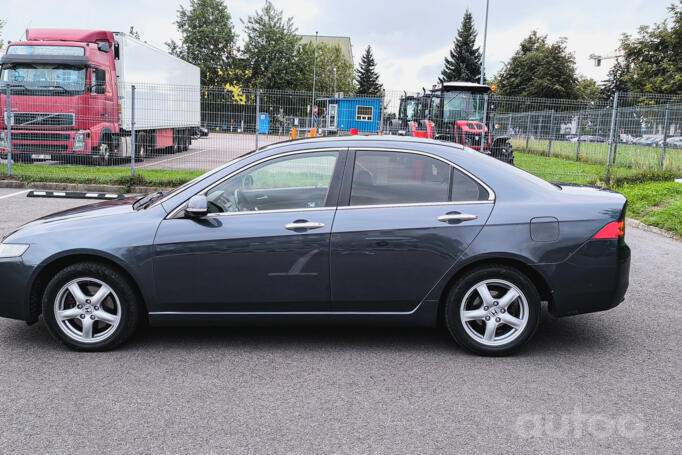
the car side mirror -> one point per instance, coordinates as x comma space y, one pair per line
197, 206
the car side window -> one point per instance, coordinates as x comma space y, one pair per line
466, 189
291, 182
398, 178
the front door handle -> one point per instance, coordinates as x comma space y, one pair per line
303, 225
456, 217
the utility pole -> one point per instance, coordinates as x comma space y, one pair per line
485, 37
312, 106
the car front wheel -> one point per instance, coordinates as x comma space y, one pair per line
90, 307
493, 310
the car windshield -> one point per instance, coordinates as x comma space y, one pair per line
43, 77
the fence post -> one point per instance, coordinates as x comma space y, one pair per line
616, 138
607, 176
132, 131
666, 126
257, 114
579, 132
551, 123
8, 122
381, 119
485, 114
528, 132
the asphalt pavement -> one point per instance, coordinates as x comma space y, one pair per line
599, 383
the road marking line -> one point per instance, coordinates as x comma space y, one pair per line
171, 159
14, 194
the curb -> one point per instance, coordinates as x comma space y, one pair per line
95, 188
645, 227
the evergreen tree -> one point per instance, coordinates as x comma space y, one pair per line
366, 76
208, 40
271, 48
464, 61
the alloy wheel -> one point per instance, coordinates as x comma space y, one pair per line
494, 312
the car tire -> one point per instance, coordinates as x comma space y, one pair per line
496, 322
90, 306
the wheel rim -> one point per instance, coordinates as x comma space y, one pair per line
494, 312
104, 152
87, 310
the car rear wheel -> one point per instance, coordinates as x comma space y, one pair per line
90, 307
493, 310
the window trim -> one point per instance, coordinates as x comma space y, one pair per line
371, 116
174, 213
346, 187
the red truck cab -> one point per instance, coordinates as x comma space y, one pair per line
63, 95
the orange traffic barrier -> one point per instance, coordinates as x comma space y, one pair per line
294, 133
312, 133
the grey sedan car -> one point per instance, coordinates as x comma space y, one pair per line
384, 230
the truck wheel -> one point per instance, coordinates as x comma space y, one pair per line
140, 147
103, 157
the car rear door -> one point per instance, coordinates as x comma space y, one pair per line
404, 218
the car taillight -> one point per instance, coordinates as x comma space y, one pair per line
613, 230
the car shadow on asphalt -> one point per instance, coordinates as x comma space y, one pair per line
577, 334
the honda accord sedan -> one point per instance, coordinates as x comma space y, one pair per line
381, 230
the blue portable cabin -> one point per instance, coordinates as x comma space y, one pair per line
361, 113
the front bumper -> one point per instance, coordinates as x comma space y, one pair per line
594, 278
43, 144
14, 285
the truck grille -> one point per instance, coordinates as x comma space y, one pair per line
43, 119
39, 148
37, 136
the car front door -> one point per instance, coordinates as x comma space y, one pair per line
404, 218
264, 247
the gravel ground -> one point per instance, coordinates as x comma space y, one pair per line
600, 383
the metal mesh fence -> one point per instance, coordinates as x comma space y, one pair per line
169, 127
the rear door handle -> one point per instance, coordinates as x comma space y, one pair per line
456, 217
308, 225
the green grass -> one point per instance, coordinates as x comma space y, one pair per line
98, 175
656, 204
627, 155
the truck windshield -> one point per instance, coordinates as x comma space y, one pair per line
462, 106
40, 77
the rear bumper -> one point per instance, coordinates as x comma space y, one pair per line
594, 278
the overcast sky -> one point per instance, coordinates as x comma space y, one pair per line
409, 44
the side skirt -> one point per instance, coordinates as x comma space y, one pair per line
424, 315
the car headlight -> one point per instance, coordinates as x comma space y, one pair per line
79, 141
12, 250
3, 141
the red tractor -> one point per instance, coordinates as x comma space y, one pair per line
454, 111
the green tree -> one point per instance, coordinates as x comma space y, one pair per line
615, 80
134, 33
329, 58
271, 48
208, 40
587, 89
653, 57
366, 77
464, 60
539, 69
